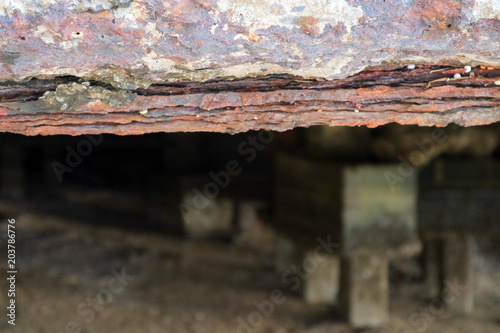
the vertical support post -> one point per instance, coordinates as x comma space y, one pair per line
204, 216
458, 284
365, 290
287, 254
322, 284
432, 264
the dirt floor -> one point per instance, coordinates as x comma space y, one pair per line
81, 278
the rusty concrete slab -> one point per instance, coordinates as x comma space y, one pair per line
128, 66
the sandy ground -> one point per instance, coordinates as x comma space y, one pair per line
80, 278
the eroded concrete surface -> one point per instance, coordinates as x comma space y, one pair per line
128, 44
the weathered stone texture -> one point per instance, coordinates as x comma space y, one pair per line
138, 54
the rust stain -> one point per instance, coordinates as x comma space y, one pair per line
272, 103
253, 37
437, 14
308, 24
230, 61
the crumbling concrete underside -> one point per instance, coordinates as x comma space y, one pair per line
132, 67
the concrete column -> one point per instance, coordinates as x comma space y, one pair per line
12, 171
369, 209
322, 284
286, 254
205, 217
365, 290
458, 286
433, 269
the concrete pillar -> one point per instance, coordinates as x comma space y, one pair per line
458, 287
248, 226
433, 269
369, 209
322, 284
365, 290
287, 254
251, 230
205, 212
379, 224
12, 171
204, 217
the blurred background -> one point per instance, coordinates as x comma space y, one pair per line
324, 229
